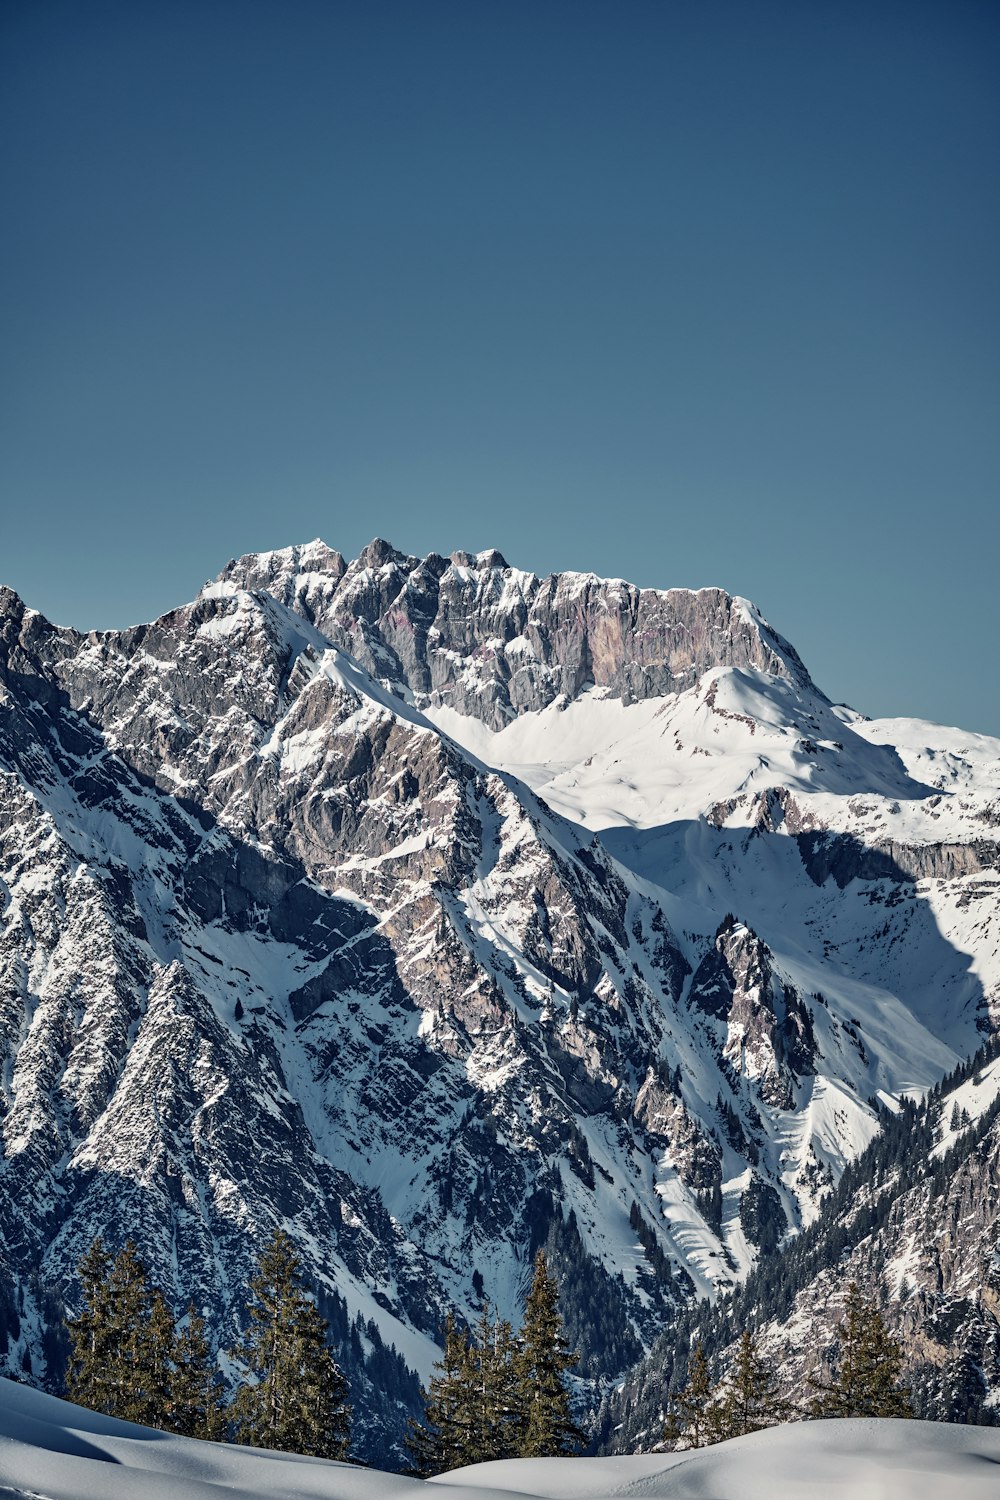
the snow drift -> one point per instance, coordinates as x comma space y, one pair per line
52, 1450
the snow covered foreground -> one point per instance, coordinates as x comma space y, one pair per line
51, 1450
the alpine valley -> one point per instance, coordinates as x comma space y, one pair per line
434, 912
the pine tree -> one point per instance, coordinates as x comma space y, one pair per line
92, 1334
495, 1425
127, 1358
867, 1380
129, 1299
750, 1400
481, 1374
295, 1399
320, 1394
441, 1441
194, 1397
137, 1370
121, 1345
689, 1419
549, 1429
508, 1438
154, 1352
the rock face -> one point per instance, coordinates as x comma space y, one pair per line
764, 1031
434, 911
492, 641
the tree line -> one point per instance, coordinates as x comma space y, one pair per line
130, 1358
866, 1383
494, 1394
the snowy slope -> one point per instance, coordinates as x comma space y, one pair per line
50, 1450
750, 792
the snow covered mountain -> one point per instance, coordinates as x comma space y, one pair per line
434, 910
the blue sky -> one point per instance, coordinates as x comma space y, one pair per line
690, 293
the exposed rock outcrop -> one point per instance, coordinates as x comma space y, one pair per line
493, 641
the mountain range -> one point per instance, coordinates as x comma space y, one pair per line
435, 911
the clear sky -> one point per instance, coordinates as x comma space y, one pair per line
686, 292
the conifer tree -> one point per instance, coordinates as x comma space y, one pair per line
495, 1418
295, 1399
548, 1426
441, 1441
750, 1400
121, 1344
153, 1354
689, 1418
509, 1436
130, 1306
138, 1370
92, 1333
867, 1379
127, 1358
194, 1397
324, 1412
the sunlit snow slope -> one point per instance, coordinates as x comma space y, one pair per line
51, 1450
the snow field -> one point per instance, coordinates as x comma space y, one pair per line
52, 1450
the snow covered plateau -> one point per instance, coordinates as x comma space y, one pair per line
51, 1450
433, 911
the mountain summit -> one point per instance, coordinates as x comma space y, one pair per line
492, 641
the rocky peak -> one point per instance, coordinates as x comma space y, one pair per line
380, 554
10, 602
299, 577
767, 1036
259, 570
492, 641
